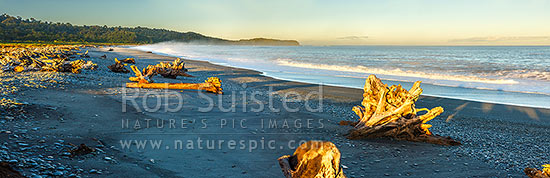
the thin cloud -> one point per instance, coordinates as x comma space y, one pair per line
493, 39
353, 38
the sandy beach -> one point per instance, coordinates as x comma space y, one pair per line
96, 109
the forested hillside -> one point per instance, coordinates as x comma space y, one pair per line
16, 29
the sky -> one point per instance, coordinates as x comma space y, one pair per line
315, 22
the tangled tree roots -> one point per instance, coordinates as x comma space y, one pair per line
314, 159
535, 173
212, 84
118, 67
145, 77
390, 112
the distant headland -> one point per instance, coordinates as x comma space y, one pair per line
17, 29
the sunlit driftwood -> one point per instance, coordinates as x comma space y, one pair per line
141, 77
169, 70
53, 58
535, 173
315, 159
212, 84
129, 60
390, 112
118, 67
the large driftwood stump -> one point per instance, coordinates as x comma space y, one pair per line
535, 173
145, 77
118, 67
314, 159
390, 112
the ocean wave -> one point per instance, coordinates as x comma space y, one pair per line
525, 74
393, 72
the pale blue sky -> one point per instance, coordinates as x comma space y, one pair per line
318, 22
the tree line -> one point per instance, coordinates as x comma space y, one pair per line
17, 29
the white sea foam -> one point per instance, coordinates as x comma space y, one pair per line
394, 72
525, 74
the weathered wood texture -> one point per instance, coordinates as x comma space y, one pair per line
313, 159
129, 60
168, 70
118, 67
390, 112
20, 58
535, 173
212, 84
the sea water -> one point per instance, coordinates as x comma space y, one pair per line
515, 75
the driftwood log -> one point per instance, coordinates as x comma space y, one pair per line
535, 173
118, 67
129, 60
20, 58
60, 65
85, 55
169, 70
390, 112
212, 84
145, 77
315, 159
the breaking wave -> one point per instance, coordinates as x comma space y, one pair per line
393, 72
525, 74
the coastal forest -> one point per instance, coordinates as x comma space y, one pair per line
19, 30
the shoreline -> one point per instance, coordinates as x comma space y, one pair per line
477, 94
543, 109
427, 95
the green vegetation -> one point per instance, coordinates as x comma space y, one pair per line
18, 30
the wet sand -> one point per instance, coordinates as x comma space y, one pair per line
498, 140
